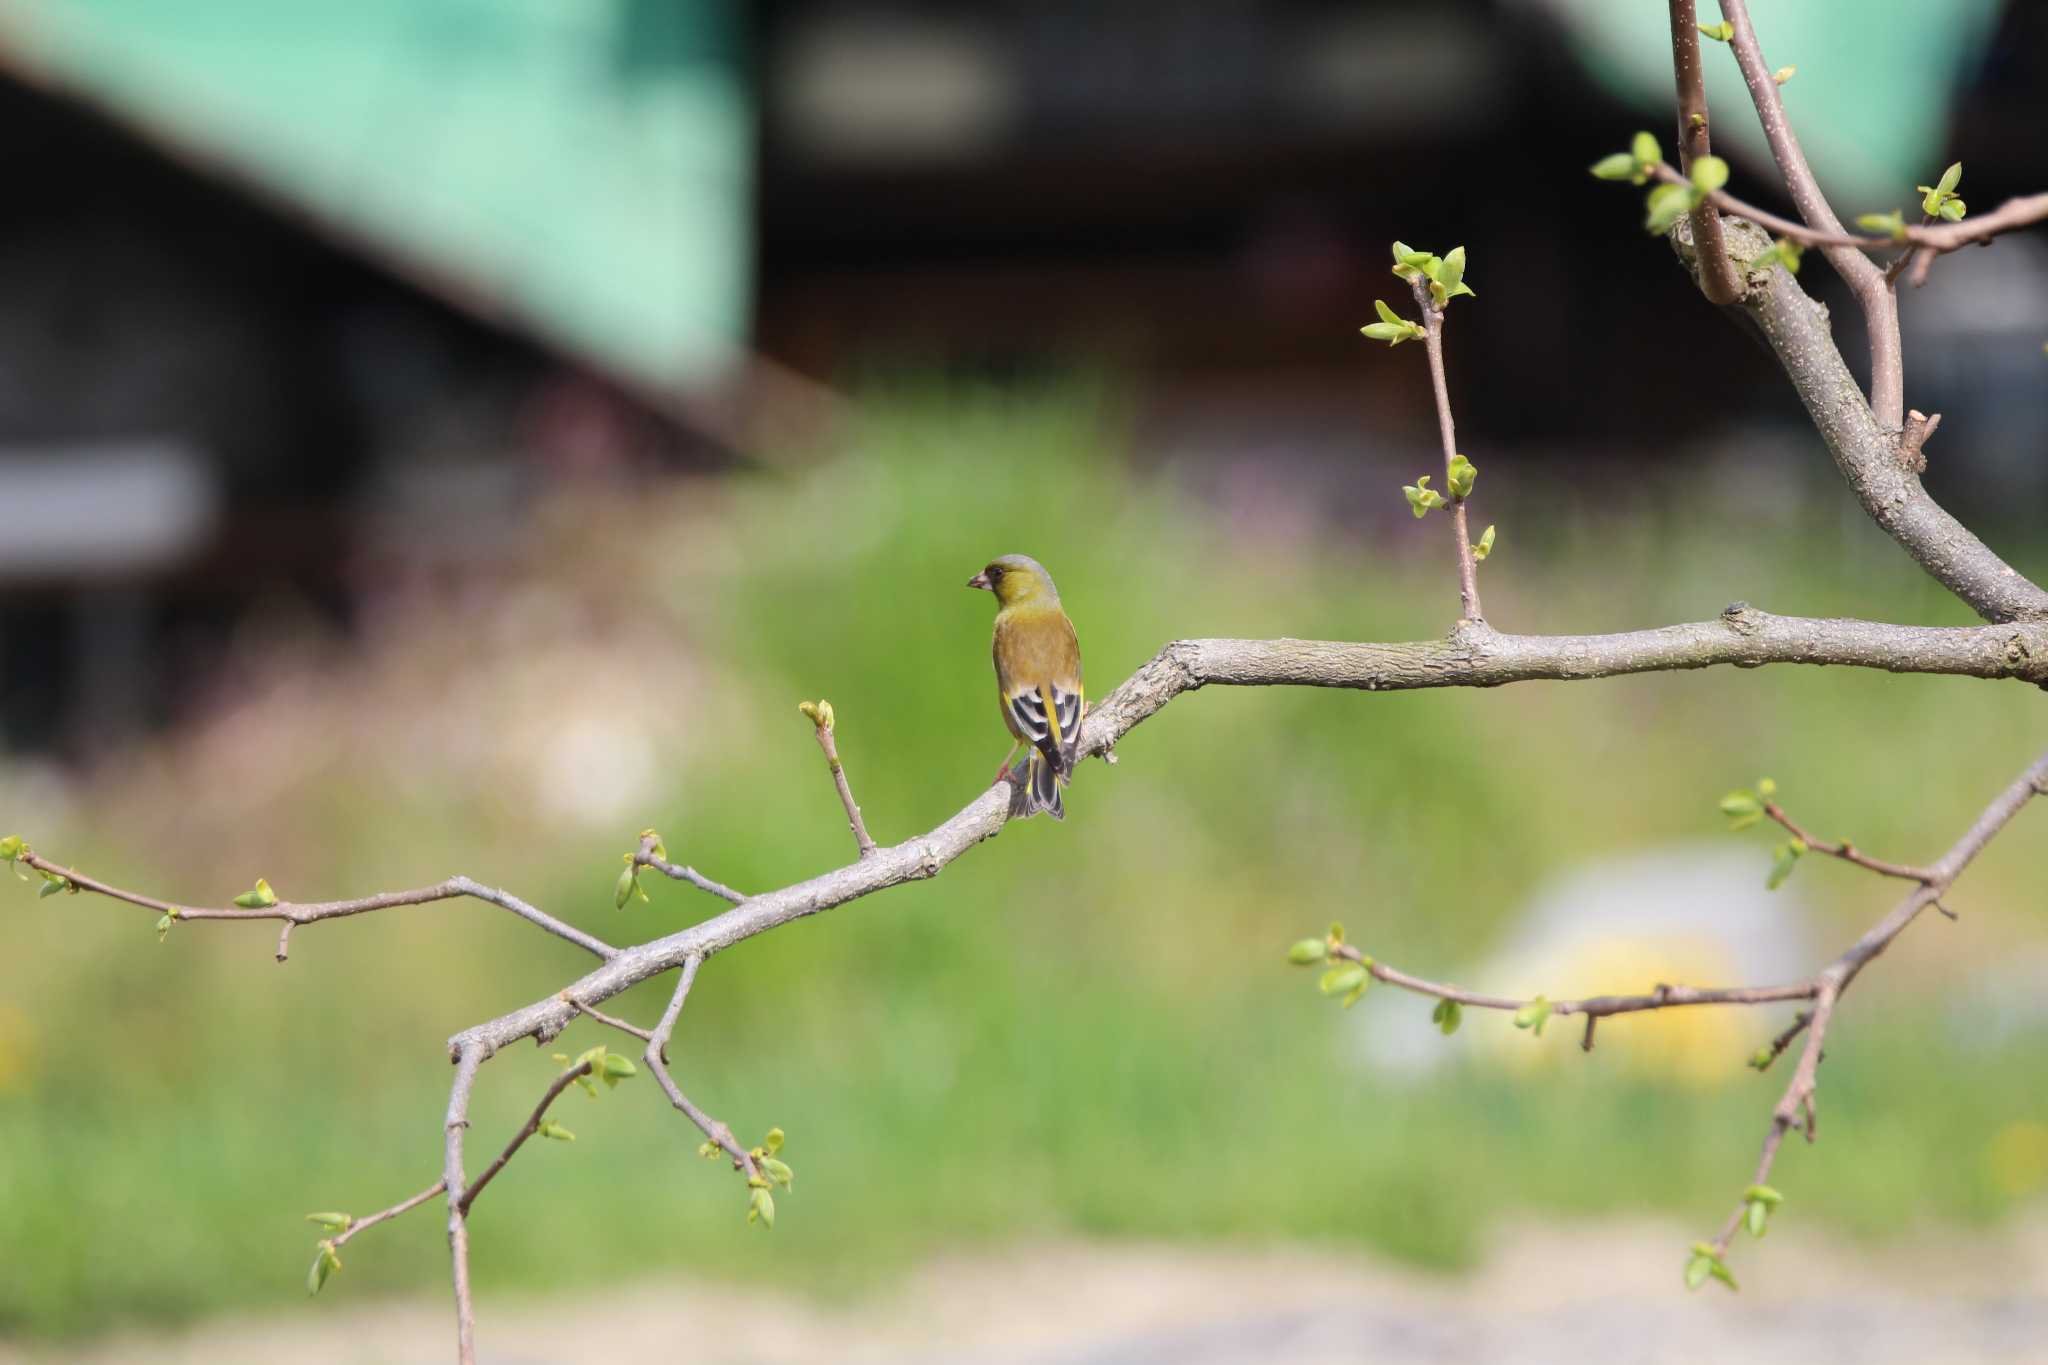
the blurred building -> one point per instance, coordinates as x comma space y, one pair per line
299, 295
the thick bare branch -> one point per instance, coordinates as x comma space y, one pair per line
1865, 280
1474, 656
1868, 454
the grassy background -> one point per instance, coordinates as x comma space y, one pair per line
1080, 1028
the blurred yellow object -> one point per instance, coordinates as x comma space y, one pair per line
1693, 1045
2016, 1157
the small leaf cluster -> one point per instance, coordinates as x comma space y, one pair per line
1744, 806
1534, 1015
605, 1066
1422, 499
1720, 33
1940, 200
326, 1260
628, 885
1667, 203
1758, 1203
818, 712
769, 1171
1392, 328
258, 897
1706, 1262
14, 848
1349, 975
1892, 225
1445, 273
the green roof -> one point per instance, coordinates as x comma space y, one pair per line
579, 168
1869, 102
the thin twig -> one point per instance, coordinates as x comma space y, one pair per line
823, 727
1845, 850
1433, 342
1719, 280
341, 1239
1592, 1006
1865, 280
527, 1130
695, 878
1798, 1102
612, 1020
1784, 1039
293, 913
657, 1062
1929, 238
645, 857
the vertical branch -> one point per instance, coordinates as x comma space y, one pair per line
1718, 280
820, 713
453, 1180
1873, 295
1433, 341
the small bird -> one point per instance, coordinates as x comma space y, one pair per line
1038, 676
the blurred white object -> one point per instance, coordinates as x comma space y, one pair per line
1694, 914
106, 510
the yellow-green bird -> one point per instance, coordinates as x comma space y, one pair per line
1038, 676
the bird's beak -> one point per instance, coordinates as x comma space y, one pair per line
980, 580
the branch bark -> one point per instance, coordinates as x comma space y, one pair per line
1468, 568
1720, 281
1475, 657
1865, 280
1867, 453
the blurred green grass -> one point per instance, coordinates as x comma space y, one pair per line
1080, 1028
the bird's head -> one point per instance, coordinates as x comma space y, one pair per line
1016, 578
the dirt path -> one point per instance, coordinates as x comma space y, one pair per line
1607, 1293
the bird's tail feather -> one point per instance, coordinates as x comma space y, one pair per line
1042, 783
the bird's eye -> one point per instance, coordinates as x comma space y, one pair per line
995, 573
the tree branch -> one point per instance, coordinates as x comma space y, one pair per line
1845, 850
820, 713
1475, 656
1797, 1104
1867, 453
1880, 306
657, 1062
527, 1130
453, 1183
645, 857
1433, 342
341, 1239
1927, 238
1742, 636
1719, 279
309, 912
